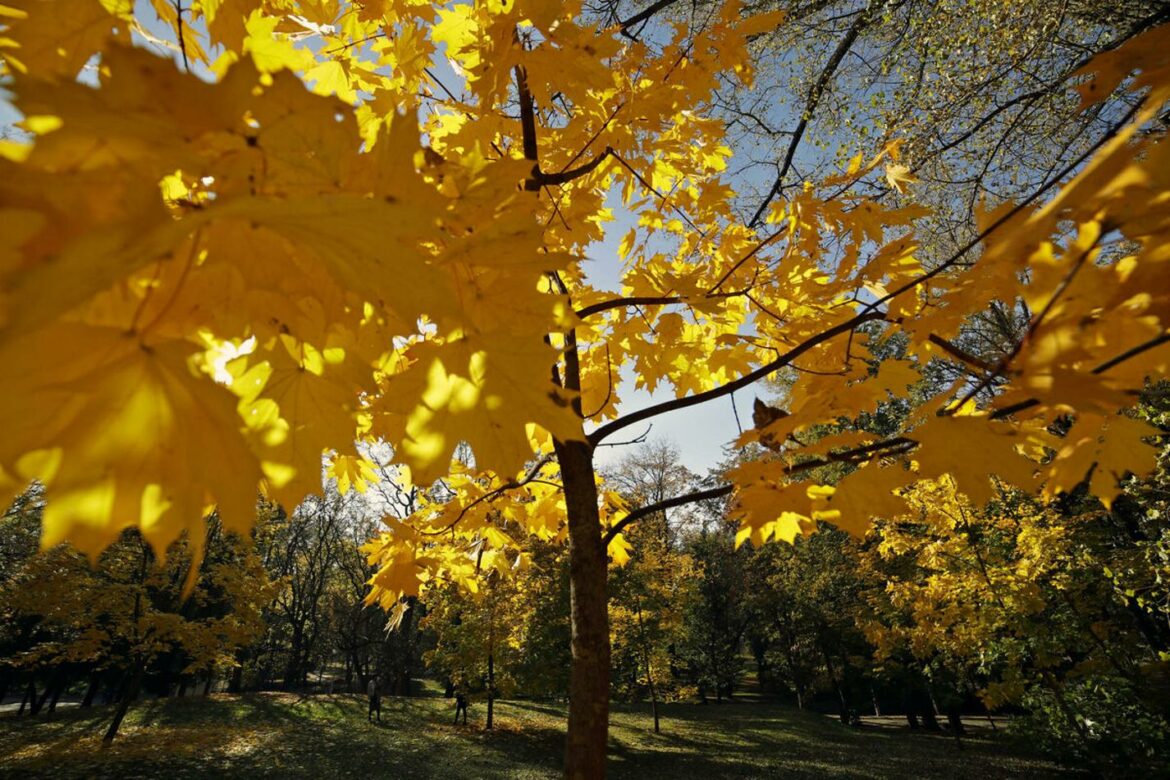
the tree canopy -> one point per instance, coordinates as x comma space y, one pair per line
308, 229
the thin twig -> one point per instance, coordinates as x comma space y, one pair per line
179, 34
641, 437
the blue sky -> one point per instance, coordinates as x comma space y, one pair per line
700, 432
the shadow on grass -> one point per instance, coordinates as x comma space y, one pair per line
282, 735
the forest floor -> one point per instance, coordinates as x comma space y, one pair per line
281, 735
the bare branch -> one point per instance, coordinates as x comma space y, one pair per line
641, 437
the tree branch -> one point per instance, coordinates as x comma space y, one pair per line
662, 506
730, 387
1145, 346
609, 387
491, 495
855, 455
625, 25
1000, 368
814, 98
1005, 218
665, 200
647, 300
540, 178
637, 300
962, 355
641, 437
527, 115
1133, 352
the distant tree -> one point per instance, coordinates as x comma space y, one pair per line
715, 619
477, 644
128, 616
542, 668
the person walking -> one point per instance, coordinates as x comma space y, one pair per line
461, 702
375, 701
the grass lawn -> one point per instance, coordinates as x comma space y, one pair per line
284, 735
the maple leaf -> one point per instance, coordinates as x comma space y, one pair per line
898, 176
308, 404
352, 471
1103, 449
619, 550
471, 389
122, 438
988, 449
61, 41
866, 494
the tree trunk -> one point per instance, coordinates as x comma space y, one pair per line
927, 708
842, 704
30, 698
1087, 746
95, 680
491, 691
59, 687
649, 669
292, 668
39, 704
237, 682
128, 695
585, 744
990, 720
955, 721
207, 685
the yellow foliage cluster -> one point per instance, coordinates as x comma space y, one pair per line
211, 279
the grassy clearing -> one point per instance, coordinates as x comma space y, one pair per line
284, 735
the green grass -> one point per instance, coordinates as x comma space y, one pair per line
321, 737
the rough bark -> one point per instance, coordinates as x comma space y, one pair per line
585, 746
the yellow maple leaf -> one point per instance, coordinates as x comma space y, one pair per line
898, 176
121, 439
1105, 449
